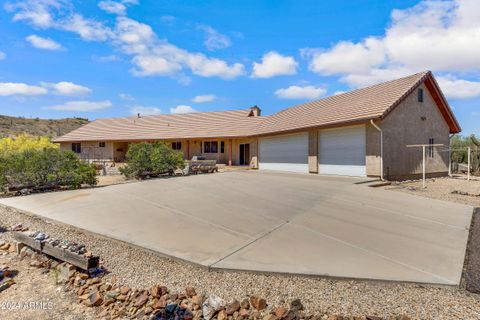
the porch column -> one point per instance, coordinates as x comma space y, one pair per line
230, 152
188, 149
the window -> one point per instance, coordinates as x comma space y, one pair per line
431, 142
101, 144
176, 145
77, 147
210, 147
420, 95
222, 147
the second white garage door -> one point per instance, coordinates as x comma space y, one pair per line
342, 151
284, 153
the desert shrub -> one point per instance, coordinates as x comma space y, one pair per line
23, 143
152, 159
459, 154
46, 168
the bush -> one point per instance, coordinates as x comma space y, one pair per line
43, 169
151, 159
23, 143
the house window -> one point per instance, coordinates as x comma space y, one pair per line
176, 145
77, 147
222, 147
420, 95
210, 147
431, 142
101, 144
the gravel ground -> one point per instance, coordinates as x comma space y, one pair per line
140, 268
31, 286
441, 188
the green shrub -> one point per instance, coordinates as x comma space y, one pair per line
47, 168
152, 159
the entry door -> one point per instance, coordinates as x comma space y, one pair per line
244, 154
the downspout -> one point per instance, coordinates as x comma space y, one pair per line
381, 148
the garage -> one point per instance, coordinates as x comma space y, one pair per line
284, 153
342, 151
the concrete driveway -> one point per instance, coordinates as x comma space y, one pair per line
274, 222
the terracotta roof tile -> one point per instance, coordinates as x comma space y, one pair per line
362, 104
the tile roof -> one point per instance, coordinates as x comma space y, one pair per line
372, 102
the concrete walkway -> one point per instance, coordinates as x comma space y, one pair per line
274, 222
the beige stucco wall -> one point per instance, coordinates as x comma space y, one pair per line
313, 151
92, 151
253, 151
404, 126
372, 151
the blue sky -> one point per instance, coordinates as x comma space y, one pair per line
61, 58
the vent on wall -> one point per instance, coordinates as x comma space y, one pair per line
420, 95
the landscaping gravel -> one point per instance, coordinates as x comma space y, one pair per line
466, 192
139, 268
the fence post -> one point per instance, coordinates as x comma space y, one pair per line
468, 169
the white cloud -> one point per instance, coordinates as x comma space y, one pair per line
442, 36
126, 96
182, 109
297, 92
204, 98
35, 12
82, 106
20, 89
336, 93
112, 7
214, 40
2, 55
348, 57
145, 110
150, 55
130, 2
43, 43
459, 89
274, 64
66, 88
109, 58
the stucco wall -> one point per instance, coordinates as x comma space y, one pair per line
313, 151
404, 126
92, 151
372, 152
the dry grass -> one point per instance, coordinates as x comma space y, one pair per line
13, 126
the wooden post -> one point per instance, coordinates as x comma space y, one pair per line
423, 167
188, 150
230, 153
469, 150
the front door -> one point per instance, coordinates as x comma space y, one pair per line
244, 154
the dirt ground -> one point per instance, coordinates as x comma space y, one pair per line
455, 189
36, 296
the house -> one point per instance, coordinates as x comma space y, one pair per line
357, 133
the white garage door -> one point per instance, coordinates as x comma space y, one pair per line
342, 151
284, 153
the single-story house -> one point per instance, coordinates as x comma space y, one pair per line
357, 133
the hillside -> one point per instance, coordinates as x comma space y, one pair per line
13, 126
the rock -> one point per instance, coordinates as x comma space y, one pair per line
124, 290
197, 300
94, 300
374, 318
232, 307
402, 317
141, 300
156, 291
211, 306
66, 271
270, 317
190, 291
148, 310
243, 313
82, 276
17, 227
245, 304
222, 315
5, 246
160, 303
112, 294
93, 281
122, 297
5, 284
280, 312
258, 303
296, 305
291, 315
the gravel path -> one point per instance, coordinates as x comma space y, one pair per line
441, 188
140, 268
